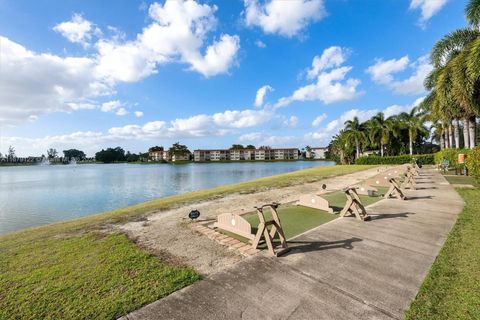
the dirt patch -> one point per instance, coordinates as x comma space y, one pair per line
168, 232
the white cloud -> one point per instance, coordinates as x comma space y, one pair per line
219, 57
241, 119
114, 106
428, 8
36, 83
330, 87
318, 120
138, 114
332, 84
291, 122
110, 105
77, 30
286, 18
331, 57
260, 96
414, 83
266, 139
121, 112
396, 109
383, 72
178, 33
324, 134
260, 44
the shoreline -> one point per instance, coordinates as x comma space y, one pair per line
163, 162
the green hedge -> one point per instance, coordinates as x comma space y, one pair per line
451, 154
473, 163
422, 158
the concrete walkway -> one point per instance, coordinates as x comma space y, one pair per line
345, 269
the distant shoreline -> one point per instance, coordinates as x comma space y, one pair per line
161, 162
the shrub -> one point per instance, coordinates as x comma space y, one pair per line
421, 158
473, 163
451, 154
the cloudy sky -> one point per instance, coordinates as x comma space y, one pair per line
89, 74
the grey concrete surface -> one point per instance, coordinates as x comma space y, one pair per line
345, 269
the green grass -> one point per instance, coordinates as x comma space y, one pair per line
85, 277
451, 289
66, 270
299, 219
462, 180
295, 219
337, 199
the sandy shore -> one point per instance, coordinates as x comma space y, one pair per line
168, 232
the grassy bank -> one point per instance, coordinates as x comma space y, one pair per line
451, 289
72, 270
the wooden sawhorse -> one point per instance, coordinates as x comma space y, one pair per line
394, 190
354, 205
409, 182
270, 235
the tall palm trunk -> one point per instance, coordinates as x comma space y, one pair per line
442, 141
456, 133
450, 134
357, 145
381, 149
472, 131
410, 144
466, 133
445, 136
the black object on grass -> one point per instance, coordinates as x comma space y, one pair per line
194, 214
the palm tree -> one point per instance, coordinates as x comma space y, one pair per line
414, 122
381, 129
457, 54
437, 133
339, 145
354, 130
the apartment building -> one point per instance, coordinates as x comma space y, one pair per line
246, 154
158, 154
316, 153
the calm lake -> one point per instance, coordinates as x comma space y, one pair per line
36, 195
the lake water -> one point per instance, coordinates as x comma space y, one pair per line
36, 195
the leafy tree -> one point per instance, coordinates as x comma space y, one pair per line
132, 157
156, 148
178, 149
250, 146
52, 153
339, 149
74, 153
355, 131
11, 154
110, 155
415, 124
236, 146
455, 80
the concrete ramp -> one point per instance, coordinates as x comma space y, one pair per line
345, 269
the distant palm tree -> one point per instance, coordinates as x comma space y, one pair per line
382, 129
340, 145
414, 122
355, 131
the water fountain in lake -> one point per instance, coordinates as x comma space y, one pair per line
45, 162
73, 162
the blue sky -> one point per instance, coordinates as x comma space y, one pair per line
89, 74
